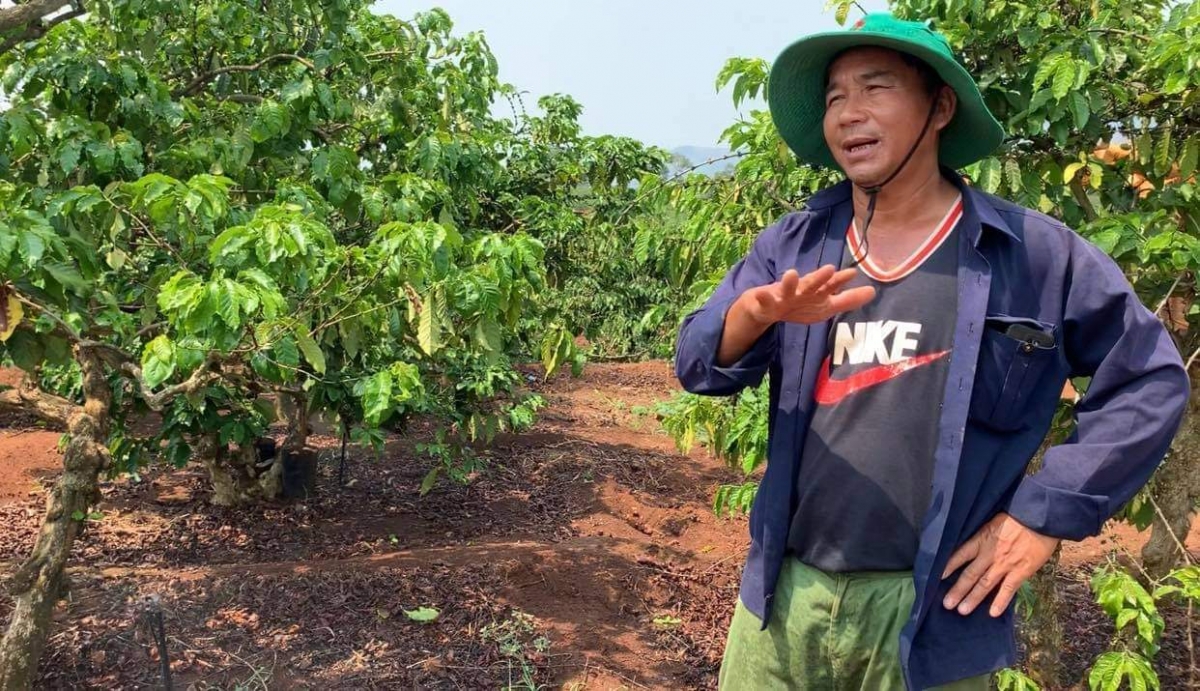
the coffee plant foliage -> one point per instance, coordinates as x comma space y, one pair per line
308, 201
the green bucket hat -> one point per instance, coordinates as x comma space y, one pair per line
796, 90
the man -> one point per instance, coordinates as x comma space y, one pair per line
895, 521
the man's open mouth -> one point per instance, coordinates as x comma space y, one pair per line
859, 145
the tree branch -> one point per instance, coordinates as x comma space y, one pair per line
70, 333
242, 98
202, 377
1081, 198
35, 27
196, 84
27, 398
1119, 32
385, 54
1170, 292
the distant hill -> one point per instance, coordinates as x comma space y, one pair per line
696, 155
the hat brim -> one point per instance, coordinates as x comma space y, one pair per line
796, 98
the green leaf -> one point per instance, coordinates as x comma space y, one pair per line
189, 353
221, 297
1048, 66
1012, 173
1143, 147
68, 156
31, 247
158, 361
989, 175
270, 121
8, 245
1175, 83
1064, 78
1125, 617
375, 394
312, 351
1080, 109
1014, 680
1061, 131
26, 350
102, 156
1113, 668
1162, 152
66, 275
429, 335
285, 351
430, 480
297, 90
1188, 160
488, 336
423, 615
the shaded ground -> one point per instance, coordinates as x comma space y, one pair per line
592, 525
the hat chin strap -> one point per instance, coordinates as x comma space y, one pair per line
873, 190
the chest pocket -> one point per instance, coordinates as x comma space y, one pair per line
1014, 353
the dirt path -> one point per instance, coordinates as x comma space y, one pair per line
592, 524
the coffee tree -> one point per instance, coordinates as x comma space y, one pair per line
212, 211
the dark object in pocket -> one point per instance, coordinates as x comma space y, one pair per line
1013, 355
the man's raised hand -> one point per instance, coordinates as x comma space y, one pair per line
805, 300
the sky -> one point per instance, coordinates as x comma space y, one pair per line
641, 68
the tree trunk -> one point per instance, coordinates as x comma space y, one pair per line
237, 475
40, 581
1041, 631
1176, 489
240, 476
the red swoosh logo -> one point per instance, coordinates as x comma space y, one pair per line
832, 391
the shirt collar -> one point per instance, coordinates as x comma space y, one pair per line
976, 203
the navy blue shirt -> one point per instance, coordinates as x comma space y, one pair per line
1015, 265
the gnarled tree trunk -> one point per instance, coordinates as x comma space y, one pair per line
1041, 628
244, 476
238, 476
1041, 631
1176, 489
40, 581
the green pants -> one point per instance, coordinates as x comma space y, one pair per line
827, 632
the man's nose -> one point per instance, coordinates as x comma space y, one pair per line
851, 111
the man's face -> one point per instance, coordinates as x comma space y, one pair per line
875, 106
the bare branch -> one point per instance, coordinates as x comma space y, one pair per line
1170, 292
1121, 32
26, 397
30, 16
202, 377
21, 16
385, 54
243, 98
70, 333
196, 84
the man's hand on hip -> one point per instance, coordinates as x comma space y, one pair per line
1003, 554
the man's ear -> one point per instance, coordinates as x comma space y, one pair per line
947, 106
